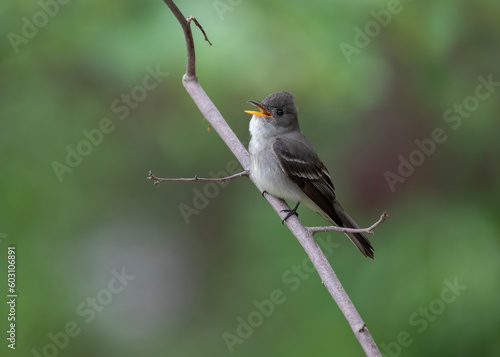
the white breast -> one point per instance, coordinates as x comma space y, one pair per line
264, 165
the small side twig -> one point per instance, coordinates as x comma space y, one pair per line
158, 180
192, 18
368, 230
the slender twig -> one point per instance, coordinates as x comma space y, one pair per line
192, 18
304, 235
158, 180
369, 230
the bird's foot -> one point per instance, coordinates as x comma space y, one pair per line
264, 193
291, 212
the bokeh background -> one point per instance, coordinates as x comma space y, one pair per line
190, 279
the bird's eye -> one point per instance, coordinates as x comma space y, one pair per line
280, 112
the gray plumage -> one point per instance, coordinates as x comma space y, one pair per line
285, 164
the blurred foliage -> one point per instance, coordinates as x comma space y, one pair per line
192, 282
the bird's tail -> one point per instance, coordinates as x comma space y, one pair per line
359, 239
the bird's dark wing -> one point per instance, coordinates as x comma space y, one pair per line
301, 164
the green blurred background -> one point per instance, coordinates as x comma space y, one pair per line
193, 279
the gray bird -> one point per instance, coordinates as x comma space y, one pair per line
284, 164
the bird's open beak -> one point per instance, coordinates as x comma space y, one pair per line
262, 113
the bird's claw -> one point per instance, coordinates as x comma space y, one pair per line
291, 212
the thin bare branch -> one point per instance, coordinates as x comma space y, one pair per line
158, 180
304, 234
369, 230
